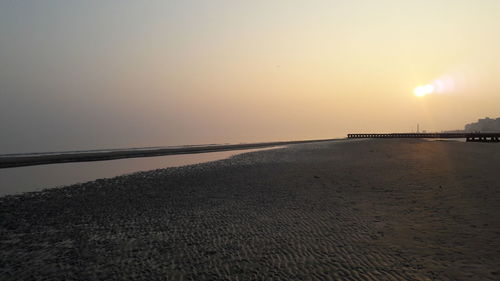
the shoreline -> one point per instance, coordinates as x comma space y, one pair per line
377, 209
23, 179
12, 161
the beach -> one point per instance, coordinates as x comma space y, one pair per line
34, 159
343, 210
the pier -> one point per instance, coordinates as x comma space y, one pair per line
470, 137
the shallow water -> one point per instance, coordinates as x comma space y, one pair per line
455, 140
35, 178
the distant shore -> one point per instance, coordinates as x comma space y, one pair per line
370, 210
19, 160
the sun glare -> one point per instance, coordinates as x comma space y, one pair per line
423, 90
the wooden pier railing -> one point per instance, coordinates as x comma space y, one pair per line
470, 137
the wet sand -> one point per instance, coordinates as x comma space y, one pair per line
362, 210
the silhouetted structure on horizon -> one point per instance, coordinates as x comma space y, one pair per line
470, 137
484, 130
484, 125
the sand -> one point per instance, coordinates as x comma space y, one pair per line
354, 210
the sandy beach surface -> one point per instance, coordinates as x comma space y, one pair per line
352, 210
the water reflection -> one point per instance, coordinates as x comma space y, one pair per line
26, 179
454, 140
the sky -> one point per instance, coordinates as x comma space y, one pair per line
119, 73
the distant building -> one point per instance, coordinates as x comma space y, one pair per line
484, 125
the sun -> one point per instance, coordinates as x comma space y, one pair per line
423, 90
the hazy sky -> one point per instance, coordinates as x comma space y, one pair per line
99, 74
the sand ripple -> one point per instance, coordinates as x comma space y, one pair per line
308, 212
